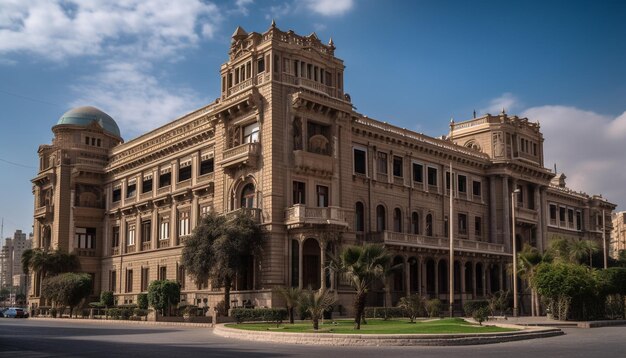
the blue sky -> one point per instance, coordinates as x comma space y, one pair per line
412, 63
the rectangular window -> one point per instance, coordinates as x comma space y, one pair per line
478, 227
359, 161
117, 194
131, 189
184, 171
163, 273
381, 163
181, 276
432, 176
477, 187
146, 229
579, 220
462, 183
299, 193
113, 281
462, 224
251, 133
144, 279
146, 185
129, 280
85, 237
322, 196
260, 65
206, 166
115, 236
183, 223
130, 235
276, 63
418, 173
164, 229
397, 166
562, 217
570, 218
553, 219
165, 179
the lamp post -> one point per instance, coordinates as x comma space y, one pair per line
514, 249
451, 235
604, 240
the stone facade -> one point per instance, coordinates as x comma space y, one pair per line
618, 235
284, 144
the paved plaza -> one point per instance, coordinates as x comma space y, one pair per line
44, 338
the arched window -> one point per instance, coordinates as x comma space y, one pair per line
415, 223
247, 196
359, 220
397, 220
380, 218
429, 225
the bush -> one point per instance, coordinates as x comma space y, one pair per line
190, 310
107, 298
433, 307
140, 312
499, 302
53, 312
142, 301
303, 312
162, 294
220, 307
412, 305
470, 307
275, 315
384, 312
614, 306
481, 314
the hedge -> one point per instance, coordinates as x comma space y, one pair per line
259, 314
384, 312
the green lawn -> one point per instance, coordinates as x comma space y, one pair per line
377, 326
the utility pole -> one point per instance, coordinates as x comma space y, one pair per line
451, 232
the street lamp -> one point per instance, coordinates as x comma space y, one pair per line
514, 247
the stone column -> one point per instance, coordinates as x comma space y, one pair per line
420, 274
493, 217
300, 266
155, 227
407, 276
173, 223
506, 211
437, 279
473, 280
322, 262
484, 274
541, 219
462, 278
501, 274
193, 219
138, 234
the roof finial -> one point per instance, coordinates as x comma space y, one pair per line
273, 23
503, 111
555, 168
331, 43
474, 113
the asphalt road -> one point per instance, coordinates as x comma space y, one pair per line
39, 338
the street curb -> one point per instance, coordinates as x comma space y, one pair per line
113, 321
336, 339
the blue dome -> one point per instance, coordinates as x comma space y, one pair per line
84, 116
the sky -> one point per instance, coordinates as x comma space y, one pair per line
415, 64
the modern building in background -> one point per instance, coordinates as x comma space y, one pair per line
11, 274
618, 235
284, 144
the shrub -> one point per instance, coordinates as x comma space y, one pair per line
140, 312
481, 314
303, 312
433, 307
142, 301
499, 302
107, 298
384, 312
53, 312
220, 307
162, 294
412, 305
96, 304
276, 315
470, 307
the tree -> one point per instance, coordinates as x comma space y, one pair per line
162, 294
527, 261
292, 297
67, 289
316, 302
413, 306
362, 265
107, 298
219, 247
48, 263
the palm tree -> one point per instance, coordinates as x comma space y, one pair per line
362, 265
316, 302
48, 263
527, 261
578, 250
292, 297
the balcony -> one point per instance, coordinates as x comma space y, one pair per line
526, 215
307, 162
253, 213
145, 246
44, 212
130, 249
183, 239
403, 239
301, 215
85, 252
115, 251
164, 243
245, 154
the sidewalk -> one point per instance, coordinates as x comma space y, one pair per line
544, 321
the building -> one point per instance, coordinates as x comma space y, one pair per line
284, 144
618, 235
11, 274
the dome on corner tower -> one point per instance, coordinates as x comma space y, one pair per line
84, 116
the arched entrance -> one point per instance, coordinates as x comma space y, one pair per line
311, 266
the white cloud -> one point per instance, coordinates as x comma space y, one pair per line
61, 29
506, 101
242, 6
278, 11
586, 146
134, 97
330, 7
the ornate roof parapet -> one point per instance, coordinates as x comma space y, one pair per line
502, 118
306, 42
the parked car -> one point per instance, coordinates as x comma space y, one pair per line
15, 312
2, 311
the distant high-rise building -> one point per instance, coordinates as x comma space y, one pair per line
11, 261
